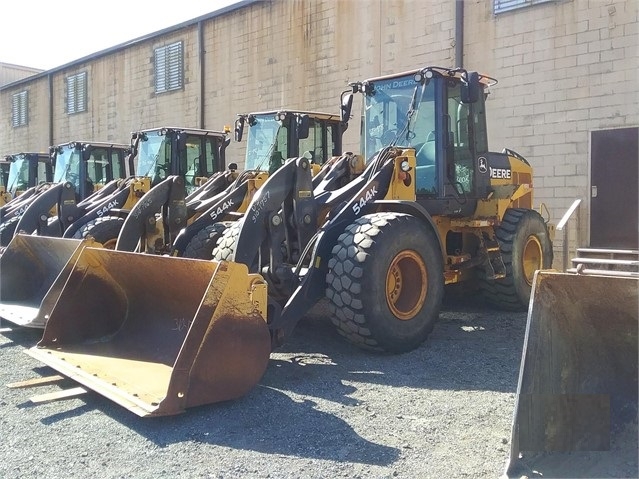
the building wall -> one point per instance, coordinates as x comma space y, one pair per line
301, 54
10, 73
266, 55
34, 136
121, 96
565, 68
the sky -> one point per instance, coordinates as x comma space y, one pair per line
47, 34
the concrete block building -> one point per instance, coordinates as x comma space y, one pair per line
566, 100
10, 73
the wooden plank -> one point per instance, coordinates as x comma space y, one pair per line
64, 394
40, 381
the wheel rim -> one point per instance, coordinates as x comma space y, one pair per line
110, 244
406, 285
532, 259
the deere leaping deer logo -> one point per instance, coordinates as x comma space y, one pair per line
482, 164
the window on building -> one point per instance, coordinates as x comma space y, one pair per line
77, 93
501, 6
169, 67
19, 109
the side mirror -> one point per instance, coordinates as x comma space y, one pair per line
239, 128
87, 150
181, 141
471, 89
346, 106
302, 127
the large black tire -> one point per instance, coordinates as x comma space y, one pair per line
8, 230
525, 247
225, 248
385, 282
202, 245
104, 230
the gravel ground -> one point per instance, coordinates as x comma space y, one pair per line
323, 410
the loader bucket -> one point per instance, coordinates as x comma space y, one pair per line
158, 334
577, 393
29, 267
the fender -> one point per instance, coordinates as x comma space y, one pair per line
98, 210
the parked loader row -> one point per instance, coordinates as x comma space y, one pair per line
75, 173
431, 206
378, 235
160, 210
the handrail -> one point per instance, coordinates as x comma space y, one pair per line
562, 226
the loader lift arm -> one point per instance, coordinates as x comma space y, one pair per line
212, 210
284, 213
110, 198
34, 217
166, 199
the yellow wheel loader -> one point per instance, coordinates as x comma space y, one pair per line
272, 137
22, 176
185, 161
84, 173
433, 207
20, 172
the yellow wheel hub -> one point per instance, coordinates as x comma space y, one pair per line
532, 258
406, 285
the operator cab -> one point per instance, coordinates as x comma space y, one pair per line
441, 114
275, 136
88, 165
191, 153
25, 170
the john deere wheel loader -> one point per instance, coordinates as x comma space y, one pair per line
272, 137
440, 209
432, 207
82, 170
21, 173
174, 167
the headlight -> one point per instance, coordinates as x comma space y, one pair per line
404, 166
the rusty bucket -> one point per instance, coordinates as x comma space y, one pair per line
158, 334
577, 392
29, 267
